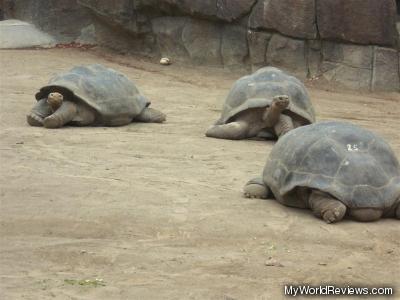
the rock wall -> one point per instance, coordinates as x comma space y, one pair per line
349, 43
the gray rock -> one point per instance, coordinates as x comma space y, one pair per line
202, 40
352, 55
119, 13
347, 65
347, 76
168, 32
358, 21
292, 18
258, 43
210, 9
234, 49
63, 19
398, 34
123, 41
386, 70
88, 35
16, 34
288, 54
233, 9
313, 57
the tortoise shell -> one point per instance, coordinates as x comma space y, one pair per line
257, 90
111, 94
350, 163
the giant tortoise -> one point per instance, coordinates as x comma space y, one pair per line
91, 95
266, 104
334, 169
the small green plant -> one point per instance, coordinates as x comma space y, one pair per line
85, 282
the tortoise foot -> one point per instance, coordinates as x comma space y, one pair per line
52, 122
334, 214
34, 120
253, 190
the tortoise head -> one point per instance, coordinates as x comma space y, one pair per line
282, 101
55, 100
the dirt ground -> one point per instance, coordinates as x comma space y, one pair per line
156, 211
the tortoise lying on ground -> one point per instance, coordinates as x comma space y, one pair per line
266, 104
91, 95
333, 168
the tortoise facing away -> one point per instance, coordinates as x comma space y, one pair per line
334, 169
266, 104
91, 95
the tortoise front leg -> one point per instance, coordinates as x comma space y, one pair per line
61, 116
284, 125
150, 115
231, 131
256, 188
326, 207
273, 113
40, 111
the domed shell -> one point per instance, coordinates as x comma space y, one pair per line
107, 91
350, 163
258, 90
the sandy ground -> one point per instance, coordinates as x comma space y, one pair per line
156, 211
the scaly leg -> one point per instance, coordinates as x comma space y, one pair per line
40, 111
326, 207
150, 115
61, 116
231, 131
256, 188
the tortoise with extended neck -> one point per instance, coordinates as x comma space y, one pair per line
266, 104
91, 95
334, 169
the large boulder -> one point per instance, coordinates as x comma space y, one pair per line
288, 54
358, 21
386, 70
234, 48
63, 19
347, 65
119, 13
292, 18
258, 43
168, 32
210, 9
16, 34
202, 40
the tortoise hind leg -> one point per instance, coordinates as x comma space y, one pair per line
150, 115
326, 207
256, 188
232, 131
40, 111
61, 116
366, 214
